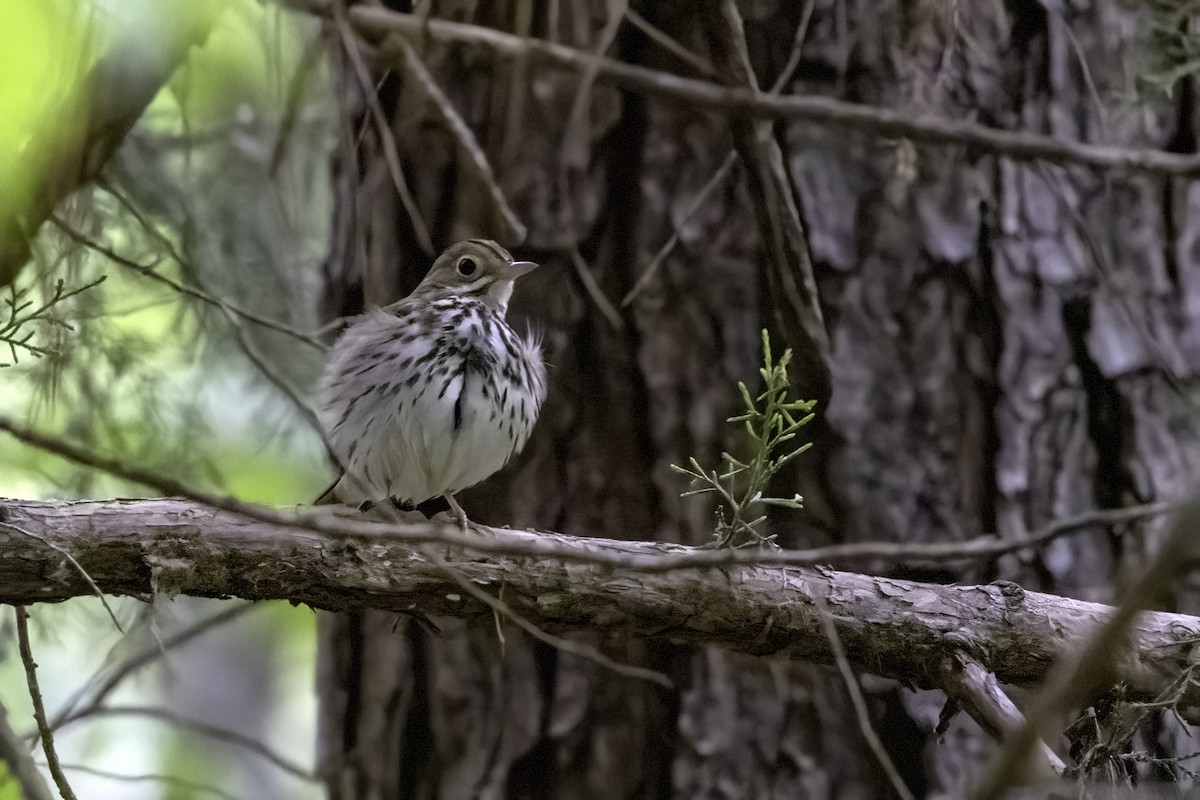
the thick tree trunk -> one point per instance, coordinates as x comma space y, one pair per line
1003, 340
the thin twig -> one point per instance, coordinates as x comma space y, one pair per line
1082, 674
307, 412
860, 705
731, 158
476, 160
231, 737
172, 781
573, 150
1085, 71
78, 567
233, 315
584, 272
150, 272
701, 197
975, 689
72, 711
793, 62
981, 548
305, 67
21, 766
514, 139
39, 708
580, 649
386, 139
670, 45
881, 122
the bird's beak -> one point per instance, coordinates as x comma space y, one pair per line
518, 268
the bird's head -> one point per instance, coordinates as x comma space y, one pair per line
475, 268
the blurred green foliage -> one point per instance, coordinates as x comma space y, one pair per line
131, 367
9, 790
45, 47
1174, 51
222, 187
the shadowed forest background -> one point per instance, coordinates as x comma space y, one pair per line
974, 224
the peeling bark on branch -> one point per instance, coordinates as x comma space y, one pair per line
896, 628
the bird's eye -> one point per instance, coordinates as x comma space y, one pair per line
467, 267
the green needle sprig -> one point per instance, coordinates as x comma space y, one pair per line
16, 331
771, 421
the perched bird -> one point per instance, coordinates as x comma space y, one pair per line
436, 392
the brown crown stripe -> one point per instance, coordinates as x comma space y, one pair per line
495, 248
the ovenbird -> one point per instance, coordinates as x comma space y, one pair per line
434, 393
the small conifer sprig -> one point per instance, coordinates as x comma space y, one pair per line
771, 421
16, 331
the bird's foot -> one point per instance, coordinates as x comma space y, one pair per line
389, 509
457, 511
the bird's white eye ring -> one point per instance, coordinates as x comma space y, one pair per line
467, 267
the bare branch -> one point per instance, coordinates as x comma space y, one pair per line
234, 738
1097, 661
579, 649
673, 47
475, 160
82, 573
375, 21
150, 272
607, 309
860, 705
791, 283
653, 557
897, 628
21, 767
386, 140
39, 708
73, 710
976, 691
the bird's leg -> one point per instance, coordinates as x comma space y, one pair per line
459, 514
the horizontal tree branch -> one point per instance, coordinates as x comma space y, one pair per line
376, 22
896, 628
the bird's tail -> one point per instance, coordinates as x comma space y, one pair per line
329, 496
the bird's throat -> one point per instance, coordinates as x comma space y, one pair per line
498, 294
